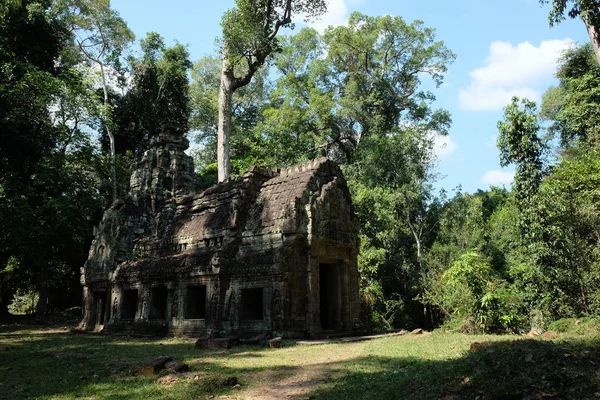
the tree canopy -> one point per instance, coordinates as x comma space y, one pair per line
80, 104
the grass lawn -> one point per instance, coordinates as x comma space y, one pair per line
49, 362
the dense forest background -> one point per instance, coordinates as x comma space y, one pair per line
80, 101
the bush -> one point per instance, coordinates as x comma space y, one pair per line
23, 303
377, 313
578, 326
477, 299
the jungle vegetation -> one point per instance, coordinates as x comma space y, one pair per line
80, 100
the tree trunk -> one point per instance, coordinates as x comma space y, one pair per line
224, 123
111, 138
594, 36
113, 163
6, 296
42, 305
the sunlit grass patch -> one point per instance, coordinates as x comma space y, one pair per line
50, 364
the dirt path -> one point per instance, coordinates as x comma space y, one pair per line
296, 381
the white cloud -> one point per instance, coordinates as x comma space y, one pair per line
443, 146
498, 177
521, 70
337, 14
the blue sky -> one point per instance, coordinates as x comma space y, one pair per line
503, 48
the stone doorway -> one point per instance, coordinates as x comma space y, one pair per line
99, 304
330, 295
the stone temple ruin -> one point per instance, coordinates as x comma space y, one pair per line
271, 252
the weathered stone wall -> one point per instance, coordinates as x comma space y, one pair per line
252, 248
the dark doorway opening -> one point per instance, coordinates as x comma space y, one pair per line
99, 307
158, 303
330, 296
195, 302
252, 304
129, 303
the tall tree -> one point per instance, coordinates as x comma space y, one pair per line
247, 105
573, 107
519, 144
368, 84
249, 37
101, 35
588, 10
30, 43
158, 97
48, 166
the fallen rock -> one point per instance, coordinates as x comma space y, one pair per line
148, 370
177, 366
481, 345
275, 343
168, 380
232, 381
256, 340
159, 363
534, 332
215, 343
417, 331
550, 335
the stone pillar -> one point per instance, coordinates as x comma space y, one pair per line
88, 307
344, 269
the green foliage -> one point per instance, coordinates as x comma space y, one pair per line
587, 9
368, 84
520, 145
570, 198
477, 296
23, 303
379, 313
54, 178
576, 326
248, 28
248, 102
398, 213
573, 107
157, 100
48, 167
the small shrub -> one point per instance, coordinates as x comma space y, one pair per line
23, 303
478, 299
577, 326
378, 313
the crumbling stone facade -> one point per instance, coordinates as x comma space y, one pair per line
270, 252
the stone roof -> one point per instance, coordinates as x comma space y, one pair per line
230, 219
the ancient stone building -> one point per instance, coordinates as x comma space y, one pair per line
270, 252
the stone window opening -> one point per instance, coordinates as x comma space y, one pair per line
129, 303
195, 302
252, 304
158, 303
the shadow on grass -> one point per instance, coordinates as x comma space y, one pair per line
512, 369
98, 366
94, 365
